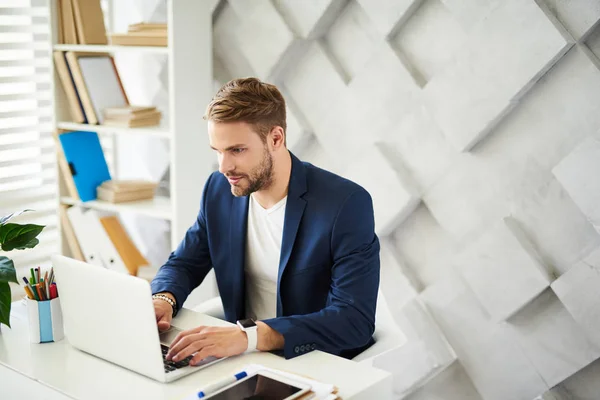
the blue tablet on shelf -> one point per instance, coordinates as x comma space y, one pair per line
85, 156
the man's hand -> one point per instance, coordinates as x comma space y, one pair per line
164, 314
207, 341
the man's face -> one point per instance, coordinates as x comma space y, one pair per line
243, 157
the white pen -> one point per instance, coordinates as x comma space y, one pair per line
221, 384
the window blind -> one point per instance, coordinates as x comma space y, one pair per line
28, 177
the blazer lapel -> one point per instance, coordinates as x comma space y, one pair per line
237, 250
293, 215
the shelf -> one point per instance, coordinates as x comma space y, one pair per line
96, 48
158, 131
159, 207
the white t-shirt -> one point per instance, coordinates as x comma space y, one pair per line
263, 250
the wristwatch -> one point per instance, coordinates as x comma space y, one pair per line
249, 326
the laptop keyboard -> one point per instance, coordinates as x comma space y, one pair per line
171, 366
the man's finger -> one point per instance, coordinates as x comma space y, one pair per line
185, 333
187, 351
163, 325
206, 352
183, 343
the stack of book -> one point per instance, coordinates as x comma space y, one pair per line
121, 191
131, 116
142, 34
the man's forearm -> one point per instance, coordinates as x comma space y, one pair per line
268, 338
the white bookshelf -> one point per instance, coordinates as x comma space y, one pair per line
95, 48
189, 54
159, 207
153, 131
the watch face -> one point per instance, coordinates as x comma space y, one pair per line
247, 323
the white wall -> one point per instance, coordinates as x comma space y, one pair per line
475, 125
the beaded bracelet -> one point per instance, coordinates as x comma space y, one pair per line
168, 300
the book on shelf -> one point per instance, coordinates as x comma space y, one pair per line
65, 169
68, 84
121, 191
95, 93
147, 26
142, 34
69, 234
127, 112
86, 163
81, 22
97, 82
130, 254
134, 120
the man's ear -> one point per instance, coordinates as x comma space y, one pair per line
277, 137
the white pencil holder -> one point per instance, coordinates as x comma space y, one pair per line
45, 321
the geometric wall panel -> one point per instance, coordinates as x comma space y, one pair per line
488, 352
578, 17
425, 247
393, 200
226, 46
260, 22
468, 12
503, 270
428, 40
314, 84
579, 291
504, 54
418, 146
387, 14
309, 19
425, 353
551, 339
453, 383
579, 174
351, 40
397, 288
555, 226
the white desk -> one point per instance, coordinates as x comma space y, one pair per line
57, 371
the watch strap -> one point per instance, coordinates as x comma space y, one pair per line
251, 334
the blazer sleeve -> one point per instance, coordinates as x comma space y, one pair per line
189, 264
348, 321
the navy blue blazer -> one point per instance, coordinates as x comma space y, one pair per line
328, 271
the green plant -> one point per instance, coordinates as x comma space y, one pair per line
13, 237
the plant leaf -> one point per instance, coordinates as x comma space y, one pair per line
4, 220
7, 270
19, 237
5, 304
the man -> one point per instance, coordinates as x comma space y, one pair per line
293, 246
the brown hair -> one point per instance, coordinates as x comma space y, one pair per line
249, 100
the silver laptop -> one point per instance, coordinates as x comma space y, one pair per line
95, 300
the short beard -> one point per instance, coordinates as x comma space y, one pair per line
259, 179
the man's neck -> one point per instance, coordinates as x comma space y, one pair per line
282, 170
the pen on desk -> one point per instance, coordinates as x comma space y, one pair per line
221, 384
